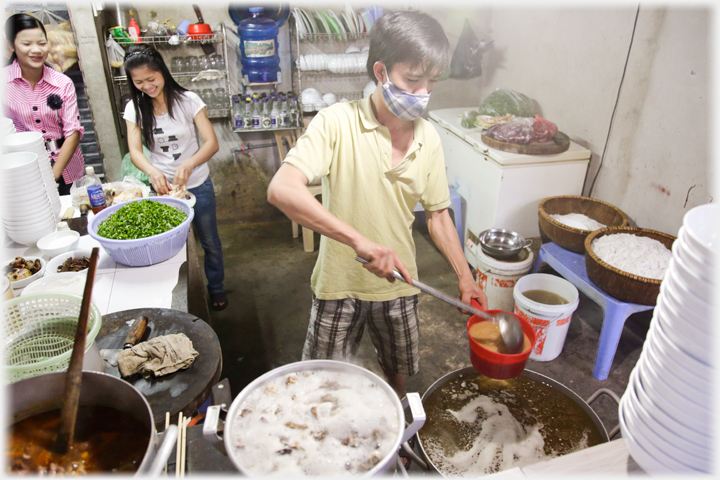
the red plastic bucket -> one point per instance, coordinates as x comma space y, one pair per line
499, 365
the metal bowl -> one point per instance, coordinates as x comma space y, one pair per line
501, 243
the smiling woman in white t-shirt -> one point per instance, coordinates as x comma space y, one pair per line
163, 115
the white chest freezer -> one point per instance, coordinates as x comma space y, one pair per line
503, 189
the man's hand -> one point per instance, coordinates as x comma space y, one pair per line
469, 290
383, 261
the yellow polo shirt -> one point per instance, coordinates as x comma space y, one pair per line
350, 151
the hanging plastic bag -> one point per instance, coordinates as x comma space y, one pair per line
128, 169
62, 54
115, 53
504, 101
467, 58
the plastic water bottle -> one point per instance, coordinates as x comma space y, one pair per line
266, 120
238, 112
274, 115
94, 188
248, 120
259, 48
257, 113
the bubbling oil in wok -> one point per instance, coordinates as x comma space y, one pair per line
549, 422
105, 440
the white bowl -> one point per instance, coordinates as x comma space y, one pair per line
703, 264
669, 363
687, 299
674, 458
26, 281
55, 243
55, 262
28, 239
17, 163
679, 330
310, 95
636, 388
647, 461
698, 312
670, 401
44, 225
664, 346
693, 263
701, 224
42, 284
696, 284
675, 446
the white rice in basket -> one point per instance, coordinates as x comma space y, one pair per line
578, 220
642, 256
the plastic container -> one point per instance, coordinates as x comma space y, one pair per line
144, 251
259, 48
498, 365
497, 278
551, 322
94, 188
40, 332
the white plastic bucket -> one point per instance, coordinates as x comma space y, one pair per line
497, 278
551, 322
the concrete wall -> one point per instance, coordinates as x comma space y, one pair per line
631, 83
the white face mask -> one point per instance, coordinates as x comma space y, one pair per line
404, 105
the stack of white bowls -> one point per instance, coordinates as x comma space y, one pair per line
666, 414
27, 213
7, 127
34, 142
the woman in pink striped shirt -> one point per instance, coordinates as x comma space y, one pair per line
40, 99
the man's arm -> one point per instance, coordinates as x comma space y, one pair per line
288, 192
443, 232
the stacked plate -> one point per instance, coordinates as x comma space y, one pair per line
27, 213
666, 413
34, 142
7, 127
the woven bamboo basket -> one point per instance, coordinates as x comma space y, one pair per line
571, 238
622, 285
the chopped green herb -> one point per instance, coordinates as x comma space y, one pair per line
141, 219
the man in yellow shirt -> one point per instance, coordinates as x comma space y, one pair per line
377, 158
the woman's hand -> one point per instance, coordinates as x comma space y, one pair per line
383, 261
159, 182
182, 174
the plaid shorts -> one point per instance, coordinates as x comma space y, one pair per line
337, 326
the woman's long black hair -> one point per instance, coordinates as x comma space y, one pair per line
143, 55
16, 24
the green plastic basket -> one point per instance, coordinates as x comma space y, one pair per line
40, 332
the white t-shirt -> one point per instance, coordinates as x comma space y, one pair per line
175, 138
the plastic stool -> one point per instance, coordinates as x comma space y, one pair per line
456, 207
572, 267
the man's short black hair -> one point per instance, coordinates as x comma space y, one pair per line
408, 37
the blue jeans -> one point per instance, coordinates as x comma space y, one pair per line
205, 222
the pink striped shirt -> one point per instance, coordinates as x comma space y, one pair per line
29, 110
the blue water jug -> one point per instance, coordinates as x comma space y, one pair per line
259, 48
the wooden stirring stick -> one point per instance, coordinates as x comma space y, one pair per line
73, 377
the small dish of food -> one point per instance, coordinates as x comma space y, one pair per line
22, 271
73, 261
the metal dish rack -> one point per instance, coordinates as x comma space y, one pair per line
185, 78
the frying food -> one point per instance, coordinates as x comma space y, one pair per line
21, 268
74, 265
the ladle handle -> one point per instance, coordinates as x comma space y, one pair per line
438, 294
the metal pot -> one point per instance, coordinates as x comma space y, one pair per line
470, 373
224, 444
39, 394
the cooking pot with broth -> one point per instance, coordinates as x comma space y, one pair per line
477, 425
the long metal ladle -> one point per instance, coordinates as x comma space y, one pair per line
510, 328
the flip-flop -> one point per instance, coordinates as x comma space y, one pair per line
218, 301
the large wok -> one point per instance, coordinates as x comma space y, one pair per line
569, 423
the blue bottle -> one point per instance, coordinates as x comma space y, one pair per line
259, 48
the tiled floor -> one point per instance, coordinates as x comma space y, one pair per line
268, 278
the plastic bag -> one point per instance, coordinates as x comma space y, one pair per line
503, 101
128, 169
128, 189
63, 50
524, 130
543, 130
467, 58
115, 53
